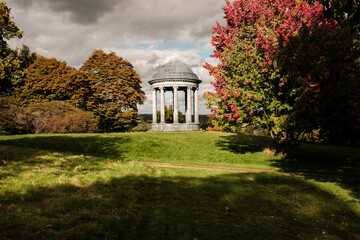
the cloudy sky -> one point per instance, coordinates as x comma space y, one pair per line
146, 33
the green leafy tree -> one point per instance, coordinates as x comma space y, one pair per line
117, 90
10, 64
169, 115
26, 57
49, 79
283, 67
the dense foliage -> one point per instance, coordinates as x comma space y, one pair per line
117, 90
346, 12
50, 79
169, 115
45, 117
286, 68
60, 117
10, 69
142, 125
106, 85
13, 120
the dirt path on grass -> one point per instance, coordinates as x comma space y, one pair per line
213, 168
250, 170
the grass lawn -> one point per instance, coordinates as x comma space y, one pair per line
96, 186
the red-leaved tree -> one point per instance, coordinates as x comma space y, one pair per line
286, 68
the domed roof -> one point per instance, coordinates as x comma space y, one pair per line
174, 70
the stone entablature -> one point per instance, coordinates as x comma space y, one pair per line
174, 81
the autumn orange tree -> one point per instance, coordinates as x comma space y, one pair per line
117, 90
49, 79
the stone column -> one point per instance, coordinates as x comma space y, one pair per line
196, 105
176, 114
186, 106
154, 116
189, 110
162, 105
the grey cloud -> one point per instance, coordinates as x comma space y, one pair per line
83, 11
80, 11
22, 3
205, 28
169, 19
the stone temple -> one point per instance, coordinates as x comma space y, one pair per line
176, 77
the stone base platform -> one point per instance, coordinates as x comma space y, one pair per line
175, 127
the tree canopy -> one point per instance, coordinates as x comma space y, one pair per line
49, 79
117, 90
346, 12
10, 64
106, 85
169, 115
8, 27
286, 68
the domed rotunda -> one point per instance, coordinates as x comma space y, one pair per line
176, 76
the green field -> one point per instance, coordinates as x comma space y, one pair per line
98, 186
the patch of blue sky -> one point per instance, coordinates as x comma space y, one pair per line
199, 47
205, 53
181, 45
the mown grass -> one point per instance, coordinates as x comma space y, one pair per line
201, 148
94, 186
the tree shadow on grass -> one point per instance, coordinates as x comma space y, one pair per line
325, 163
233, 206
244, 143
65, 151
92, 145
317, 161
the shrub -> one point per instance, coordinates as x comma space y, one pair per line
253, 130
214, 129
142, 125
12, 117
60, 117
